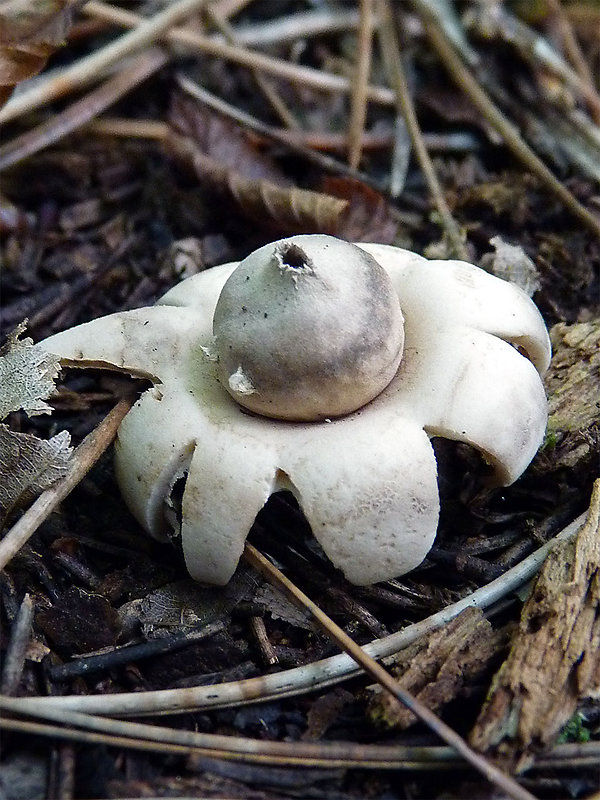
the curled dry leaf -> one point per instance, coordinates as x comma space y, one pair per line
368, 217
222, 140
28, 465
30, 31
279, 208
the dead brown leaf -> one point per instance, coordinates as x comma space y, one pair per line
30, 31
281, 210
368, 217
80, 622
222, 140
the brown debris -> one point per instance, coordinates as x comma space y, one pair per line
555, 655
437, 670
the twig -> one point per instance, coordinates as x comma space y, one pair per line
267, 652
391, 56
14, 659
269, 91
82, 460
82, 111
330, 754
319, 674
375, 670
133, 652
284, 137
88, 69
307, 76
358, 111
510, 134
302, 25
317, 140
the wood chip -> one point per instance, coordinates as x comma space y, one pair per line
555, 655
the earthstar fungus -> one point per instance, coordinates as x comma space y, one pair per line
323, 368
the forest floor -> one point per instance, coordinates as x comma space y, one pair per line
457, 130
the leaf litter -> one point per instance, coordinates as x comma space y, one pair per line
86, 197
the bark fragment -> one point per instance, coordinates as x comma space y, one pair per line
438, 669
555, 655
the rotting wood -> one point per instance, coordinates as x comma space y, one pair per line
573, 386
555, 655
439, 668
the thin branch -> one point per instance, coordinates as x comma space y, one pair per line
14, 658
269, 91
331, 754
576, 57
295, 73
465, 80
287, 138
490, 771
88, 69
82, 460
82, 111
316, 676
391, 55
358, 111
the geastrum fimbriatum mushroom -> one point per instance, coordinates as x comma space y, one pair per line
323, 368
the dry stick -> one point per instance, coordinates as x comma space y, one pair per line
286, 138
576, 57
358, 111
317, 675
88, 69
82, 111
269, 91
393, 61
82, 460
14, 659
375, 670
512, 138
316, 79
338, 754
318, 140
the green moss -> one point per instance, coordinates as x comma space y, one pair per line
575, 730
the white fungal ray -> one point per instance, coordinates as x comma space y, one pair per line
226, 487
144, 342
458, 293
365, 481
373, 508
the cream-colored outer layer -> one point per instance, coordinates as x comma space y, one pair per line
366, 482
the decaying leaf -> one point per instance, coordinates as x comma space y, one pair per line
555, 654
30, 31
27, 376
368, 216
222, 140
185, 604
279, 607
80, 622
28, 465
437, 669
282, 209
